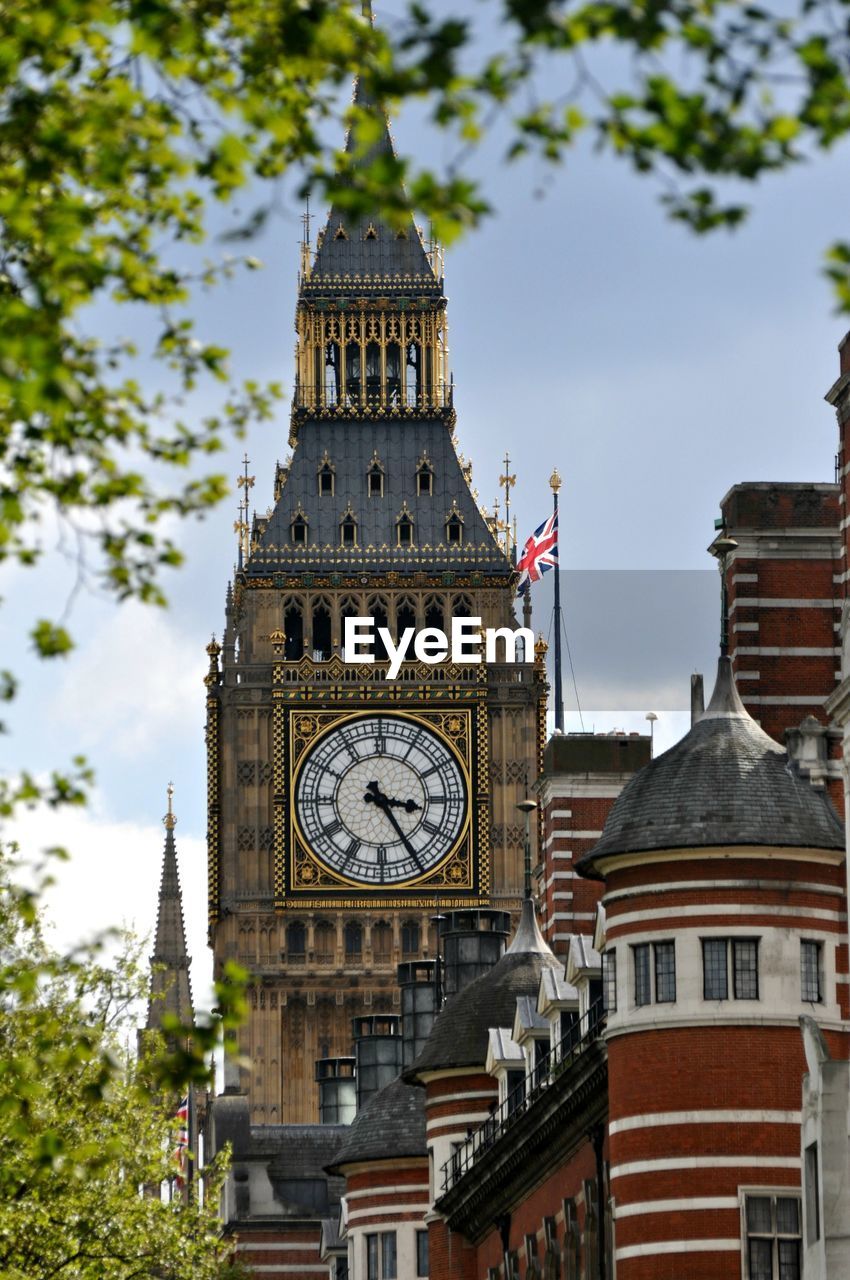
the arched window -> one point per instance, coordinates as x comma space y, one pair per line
434, 613
321, 633
293, 630
462, 607
324, 935
353, 939
296, 941
410, 938
332, 371
373, 371
405, 616
413, 377
382, 942
393, 371
352, 370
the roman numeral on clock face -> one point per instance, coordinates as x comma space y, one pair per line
431, 828
332, 827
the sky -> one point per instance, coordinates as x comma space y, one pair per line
655, 369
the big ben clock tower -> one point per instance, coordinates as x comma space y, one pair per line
346, 808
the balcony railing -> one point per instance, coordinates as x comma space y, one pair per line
550, 1068
357, 399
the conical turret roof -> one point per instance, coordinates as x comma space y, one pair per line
725, 783
390, 1126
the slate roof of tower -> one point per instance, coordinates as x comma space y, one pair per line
350, 446
359, 255
460, 1035
171, 987
391, 1125
725, 783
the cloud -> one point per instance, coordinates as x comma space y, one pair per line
136, 681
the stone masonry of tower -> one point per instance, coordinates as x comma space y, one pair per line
373, 516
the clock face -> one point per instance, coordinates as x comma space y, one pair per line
381, 799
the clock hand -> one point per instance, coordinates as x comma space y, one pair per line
374, 795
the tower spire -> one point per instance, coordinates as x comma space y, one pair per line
170, 987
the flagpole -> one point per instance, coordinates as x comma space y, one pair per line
555, 484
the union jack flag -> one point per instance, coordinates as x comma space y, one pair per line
539, 555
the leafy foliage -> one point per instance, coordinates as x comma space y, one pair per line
83, 1127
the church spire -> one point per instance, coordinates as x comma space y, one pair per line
170, 988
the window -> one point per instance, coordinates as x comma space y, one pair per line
745, 968
715, 968
375, 478
643, 991
591, 1231
811, 1189
353, 938
348, 531
410, 938
532, 1270
572, 1242
811, 971
298, 531
296, 941
326, 481
389, 1268
454, 529
424, 481
715, 976
381, 1262
609, 981
655, 972
421, 1253
382, 942
293, 630
773, 1237
665, 972
404, 528
325, 942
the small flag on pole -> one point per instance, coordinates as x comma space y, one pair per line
540, 554
181, 1149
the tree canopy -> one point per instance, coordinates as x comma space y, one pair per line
84, 1125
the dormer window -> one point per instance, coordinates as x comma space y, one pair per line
370, 232
340, 233
375, 478
454, 526
424, 478
326, 476
298, 529
404, 528
348, 529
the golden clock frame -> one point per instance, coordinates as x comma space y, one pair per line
463, 877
